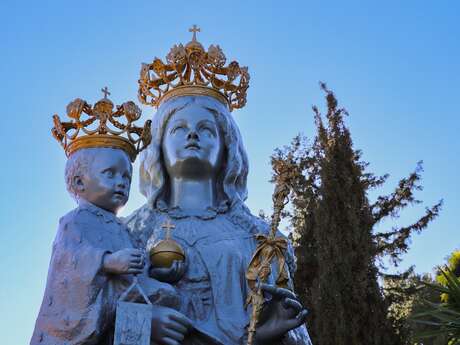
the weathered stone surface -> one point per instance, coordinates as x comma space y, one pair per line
133, 324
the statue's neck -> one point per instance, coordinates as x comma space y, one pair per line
192, 194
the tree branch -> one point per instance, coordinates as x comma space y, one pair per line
396, 242
390, 205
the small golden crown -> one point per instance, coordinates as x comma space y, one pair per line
191, 70
107, 132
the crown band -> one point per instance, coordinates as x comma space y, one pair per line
194, 90
102, 140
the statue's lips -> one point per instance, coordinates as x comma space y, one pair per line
193, 146
119, 193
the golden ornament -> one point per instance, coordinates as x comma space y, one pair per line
165, 252
102, 126
190, 70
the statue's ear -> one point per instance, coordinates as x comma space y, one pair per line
78, 184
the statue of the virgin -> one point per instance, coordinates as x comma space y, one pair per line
194, 176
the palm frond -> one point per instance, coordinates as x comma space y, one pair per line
442, 318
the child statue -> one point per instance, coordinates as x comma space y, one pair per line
93, 260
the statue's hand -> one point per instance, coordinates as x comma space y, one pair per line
125, 261
169, 275
281, 314
169, 327
160, 293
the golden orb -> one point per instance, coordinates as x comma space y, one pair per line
165, 252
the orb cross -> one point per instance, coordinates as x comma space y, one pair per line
105, 91
194, 29
168, 226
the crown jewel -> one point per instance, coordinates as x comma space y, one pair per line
102, 126
191, 70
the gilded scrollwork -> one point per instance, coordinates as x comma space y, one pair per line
79, 133
191, 65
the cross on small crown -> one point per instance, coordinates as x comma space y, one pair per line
106, 92
168, 226
194, 29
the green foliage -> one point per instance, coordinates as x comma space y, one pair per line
453, 264
338, 252
442, 319
406, 295
454, 261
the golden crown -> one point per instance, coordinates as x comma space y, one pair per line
191, 70
85, 132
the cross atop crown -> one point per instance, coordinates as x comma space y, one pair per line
194, 29
106, 92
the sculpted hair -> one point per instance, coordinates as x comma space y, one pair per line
77, 165
232, 183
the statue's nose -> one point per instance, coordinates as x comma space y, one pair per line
193, 135
120, 182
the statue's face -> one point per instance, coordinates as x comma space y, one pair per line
106, 182
192, 143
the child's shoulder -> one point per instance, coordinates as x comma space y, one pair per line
79, 216
79, 224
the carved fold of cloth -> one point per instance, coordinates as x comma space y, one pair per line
219, 247
80, 300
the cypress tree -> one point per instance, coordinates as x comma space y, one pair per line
339, 254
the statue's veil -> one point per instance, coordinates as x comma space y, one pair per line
232, 182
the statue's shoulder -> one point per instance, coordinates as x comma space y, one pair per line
76, 218
139, 219
69, 217
242, 216
75, 225
87, 216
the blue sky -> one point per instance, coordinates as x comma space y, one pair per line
394, 65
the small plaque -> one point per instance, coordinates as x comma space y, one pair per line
133, 324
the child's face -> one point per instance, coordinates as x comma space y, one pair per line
107, 181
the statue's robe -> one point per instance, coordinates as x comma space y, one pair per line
80, 300
219, 245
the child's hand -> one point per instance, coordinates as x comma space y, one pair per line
169, 275
125, 261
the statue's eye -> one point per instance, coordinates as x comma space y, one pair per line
177, 128
127, 176
207, 130
108, 172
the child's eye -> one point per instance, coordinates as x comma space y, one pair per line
108, 173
